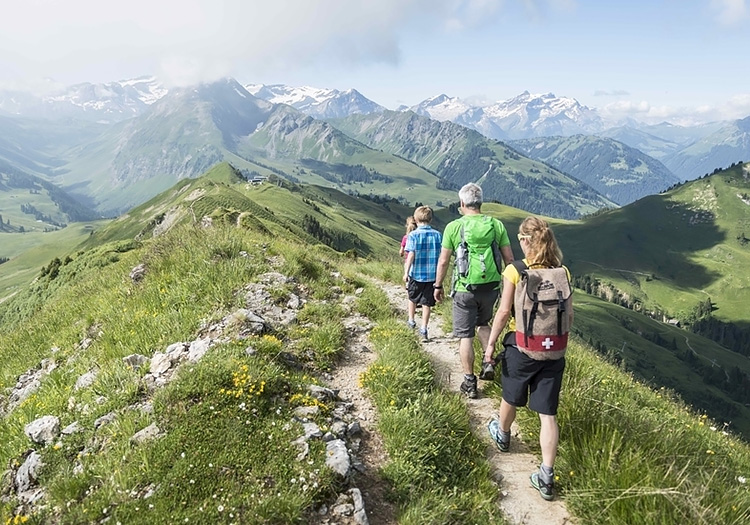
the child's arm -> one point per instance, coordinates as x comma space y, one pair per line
407, 265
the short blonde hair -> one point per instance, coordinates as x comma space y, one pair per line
423, 215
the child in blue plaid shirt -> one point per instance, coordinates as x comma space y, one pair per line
420, 267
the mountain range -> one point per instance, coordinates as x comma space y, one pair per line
114, 145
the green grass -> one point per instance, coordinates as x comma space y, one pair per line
219, 413
437, 467
627, 450
28, 252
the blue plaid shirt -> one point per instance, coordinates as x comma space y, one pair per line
425, 243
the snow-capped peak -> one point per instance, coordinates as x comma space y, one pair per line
441, 107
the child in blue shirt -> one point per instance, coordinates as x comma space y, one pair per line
420, 267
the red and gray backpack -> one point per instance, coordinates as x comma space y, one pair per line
542, 303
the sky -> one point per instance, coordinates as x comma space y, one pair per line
682, 61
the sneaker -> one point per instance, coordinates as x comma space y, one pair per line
469, 387
411, 324
488, 372
423, 333
545, 489
494, 428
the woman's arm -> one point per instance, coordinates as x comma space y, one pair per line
501, 317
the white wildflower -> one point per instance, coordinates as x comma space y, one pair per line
742, 479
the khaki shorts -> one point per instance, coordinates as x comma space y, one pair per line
472, 309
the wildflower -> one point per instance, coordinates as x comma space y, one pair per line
220, 508
572, 473
710, 452
742, 479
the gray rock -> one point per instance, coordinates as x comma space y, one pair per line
338, 428
337, 457
73, 428
312, 430
304, 412
198, 349
43, 430
160, 363
106, 419
135, 361
137, 273
146, 434
27, 474
343, 509
294, 302
177, 351
354, 429
322, 393
360, 516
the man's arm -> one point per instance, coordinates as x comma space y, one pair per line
442, 270
507, 253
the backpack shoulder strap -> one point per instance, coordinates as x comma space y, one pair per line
520, 266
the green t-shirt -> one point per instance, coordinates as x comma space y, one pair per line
452, 238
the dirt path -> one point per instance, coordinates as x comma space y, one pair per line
356, 358
520, 503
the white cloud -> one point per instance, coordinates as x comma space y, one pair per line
737, 107
730, 12
192, 40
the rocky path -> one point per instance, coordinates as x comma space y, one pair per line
520, 503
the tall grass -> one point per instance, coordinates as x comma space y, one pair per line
226, 452
437, 467
629, 454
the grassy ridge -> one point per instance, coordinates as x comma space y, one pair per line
687, 240
626, 450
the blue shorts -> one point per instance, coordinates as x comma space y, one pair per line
524, 378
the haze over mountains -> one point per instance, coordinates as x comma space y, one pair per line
115, 145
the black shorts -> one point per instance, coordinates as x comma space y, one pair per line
421, 293
539, 382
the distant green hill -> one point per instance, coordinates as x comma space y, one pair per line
671, 252
29, 203
661, 258
312, 214
614, 169
458, 155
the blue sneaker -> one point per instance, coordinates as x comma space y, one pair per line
411, 324
494, 428
545, 489
423, 334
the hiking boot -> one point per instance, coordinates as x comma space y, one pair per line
545, 489
488, 372
469, 387
423, 333
411, 324
494, 428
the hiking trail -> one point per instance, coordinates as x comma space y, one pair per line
520, 503
517, 500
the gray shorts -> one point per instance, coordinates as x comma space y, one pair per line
472, 309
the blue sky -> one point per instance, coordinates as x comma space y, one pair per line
679, 60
